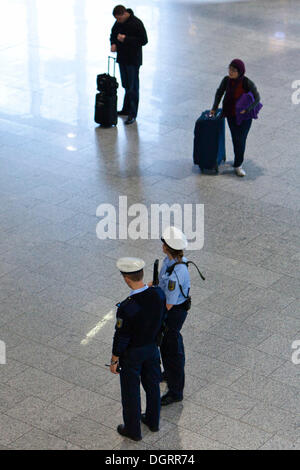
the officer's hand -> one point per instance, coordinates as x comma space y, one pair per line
121, 37
113, 369
212, 112
113, 48
150, 284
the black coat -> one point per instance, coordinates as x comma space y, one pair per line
129, 52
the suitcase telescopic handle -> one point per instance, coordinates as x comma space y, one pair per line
108, 62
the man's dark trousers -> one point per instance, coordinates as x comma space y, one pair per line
141, 363
130, 81
239, 136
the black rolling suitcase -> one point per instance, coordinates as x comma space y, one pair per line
209, 141
106, 101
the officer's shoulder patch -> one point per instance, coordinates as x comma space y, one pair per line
171, 285
119, 322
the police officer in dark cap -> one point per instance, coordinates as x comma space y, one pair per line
135, 354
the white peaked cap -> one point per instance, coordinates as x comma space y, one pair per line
175, 238
130, 265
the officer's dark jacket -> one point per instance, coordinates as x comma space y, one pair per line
129, 52
139, 319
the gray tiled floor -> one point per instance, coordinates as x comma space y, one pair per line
58, 281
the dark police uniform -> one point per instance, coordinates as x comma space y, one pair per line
172, 348
139, 320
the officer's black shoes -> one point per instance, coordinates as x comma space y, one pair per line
144, 420
130, 120
121, 430
122, 113
167, 399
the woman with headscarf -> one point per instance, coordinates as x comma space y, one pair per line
234, 85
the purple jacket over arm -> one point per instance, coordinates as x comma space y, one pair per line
243, 103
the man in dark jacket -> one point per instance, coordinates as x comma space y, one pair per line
128, 35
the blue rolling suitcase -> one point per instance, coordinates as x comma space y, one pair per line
209, 141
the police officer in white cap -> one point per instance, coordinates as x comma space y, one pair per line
135, 354
174, 279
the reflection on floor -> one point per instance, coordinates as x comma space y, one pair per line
59, 283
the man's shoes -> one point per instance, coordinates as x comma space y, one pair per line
130, 120
122, 430
144, 420
239, 171
168, 399
122, 113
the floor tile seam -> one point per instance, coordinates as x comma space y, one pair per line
278, 429
34, 427
229, 346
47, 344
239, 256
14, 440
15, 376
67, 324
65, 273
267, 339
244, 264
16, 403
21, 292
234, 342
56, 430
247, 424
282, 274
282, 382
209, 438
276, 332
226, 387
81, 359
287, 277
243, 290
69, 356
280, 313
242, 368
71, 306
251, 212
202, 433
267, 289
274, 436
274, 268
45, 402
41, 448
290, 227
266, 354
268, 401
6, 299
213, 410
240, 419
8, 320
269, 220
